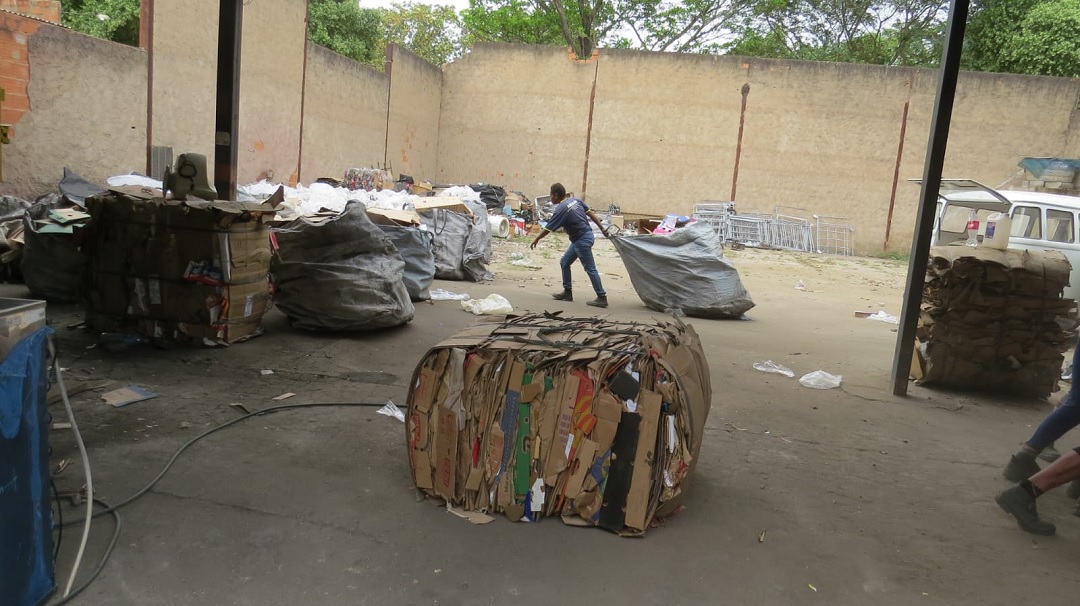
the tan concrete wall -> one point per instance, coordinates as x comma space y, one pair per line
87, 111
271, 73
344, 115
412, 144
185, 76
819, 138
516, 116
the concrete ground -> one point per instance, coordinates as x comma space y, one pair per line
801, 496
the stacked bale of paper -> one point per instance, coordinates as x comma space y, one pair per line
996, 320
595, 421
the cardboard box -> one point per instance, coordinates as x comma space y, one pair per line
401, 218
593, 430
177, 270
19, 318
423, 205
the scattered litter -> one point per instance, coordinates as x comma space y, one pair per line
391, 410
799, 285
127, 395
61, 466
239, 406
440, 294
185, 425
520, 260
819, 379
475, 517
284, 396
492, 305
61, 425
761, 537
266, 372
880, 316
812, 587
773, 367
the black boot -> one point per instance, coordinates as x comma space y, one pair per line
1021, 505
566, 295
1021, 466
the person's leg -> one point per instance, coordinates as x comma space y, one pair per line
1056, 424
1019, 501
568, 259
584, 251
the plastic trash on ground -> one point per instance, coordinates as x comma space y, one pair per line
441, 294
684, 270
773, 367
819, 379
491, 305
391, 410
883, 316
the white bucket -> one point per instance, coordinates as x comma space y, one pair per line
998, 226
500, 226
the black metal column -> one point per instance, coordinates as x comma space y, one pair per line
230, 25
935, 159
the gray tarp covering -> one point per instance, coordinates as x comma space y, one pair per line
52, 264
341, 274
462, 244
684, 271
414, 246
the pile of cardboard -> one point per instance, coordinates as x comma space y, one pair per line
996, 320
176, 270
598, 422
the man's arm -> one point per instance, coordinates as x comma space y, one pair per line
540, 236
596, 220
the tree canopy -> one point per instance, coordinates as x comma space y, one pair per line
1020, 36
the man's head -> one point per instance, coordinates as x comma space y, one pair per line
558, 193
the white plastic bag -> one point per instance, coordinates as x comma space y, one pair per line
884, 316
492, 305
819, 379
391, 410
770, 366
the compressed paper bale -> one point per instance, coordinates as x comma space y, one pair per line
537, 424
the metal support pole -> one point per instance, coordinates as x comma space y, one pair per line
931, 183
230, 26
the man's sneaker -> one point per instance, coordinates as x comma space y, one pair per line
566, 295
1020, 468
598, 302
1049, 454
1021, 505
1073, 491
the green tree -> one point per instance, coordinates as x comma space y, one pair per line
432, 32
1048, 41
345, 28
116, 20
510, 21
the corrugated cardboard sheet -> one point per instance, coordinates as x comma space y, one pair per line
170, 269
596, 421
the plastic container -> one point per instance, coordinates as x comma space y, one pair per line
998, 227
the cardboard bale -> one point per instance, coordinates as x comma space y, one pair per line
595, 421
995, 320
176, 270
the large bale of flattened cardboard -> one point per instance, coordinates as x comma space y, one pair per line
684, 271
596, 421
342, 273
174, 270
995, 320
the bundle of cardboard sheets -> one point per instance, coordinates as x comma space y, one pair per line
995, 320
596, 421
177, 270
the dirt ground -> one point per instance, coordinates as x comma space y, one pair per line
801, 496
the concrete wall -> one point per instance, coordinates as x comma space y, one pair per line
84, 108
818, 138
516, 116
344, 115
412, 143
